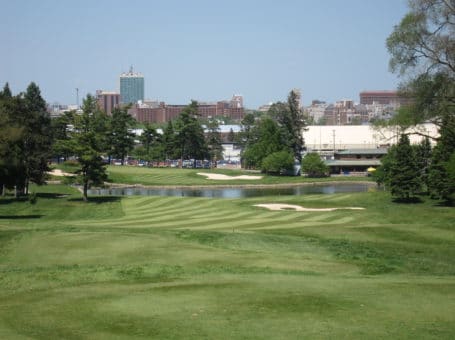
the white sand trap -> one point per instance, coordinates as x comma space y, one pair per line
221, 177
60, 173
277, 207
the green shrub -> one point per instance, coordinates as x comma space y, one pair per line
280, 162
314, 166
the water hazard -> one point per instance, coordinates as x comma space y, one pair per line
236, 192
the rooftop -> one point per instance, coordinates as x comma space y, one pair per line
377, 151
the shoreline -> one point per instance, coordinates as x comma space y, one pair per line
232, 186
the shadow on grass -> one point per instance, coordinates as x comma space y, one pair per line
19, 217
98, 199
409, 200
10, 200
445, 203
50, 195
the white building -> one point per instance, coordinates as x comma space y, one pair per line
340, 137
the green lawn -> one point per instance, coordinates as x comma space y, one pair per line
198, 268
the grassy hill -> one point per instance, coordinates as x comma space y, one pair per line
180, 267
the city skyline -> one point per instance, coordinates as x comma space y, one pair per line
203, 51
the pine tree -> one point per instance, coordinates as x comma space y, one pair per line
169, 142
404, 174
441, 181
213, 140
121, 138
190, 140
291, 120
423, 159
36, 144
89, 142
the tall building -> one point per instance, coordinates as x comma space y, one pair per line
107, 101
131, 87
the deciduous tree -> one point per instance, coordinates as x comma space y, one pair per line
314, 166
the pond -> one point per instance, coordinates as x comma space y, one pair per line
237, 192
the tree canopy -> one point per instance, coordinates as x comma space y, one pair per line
422, 49
27, 138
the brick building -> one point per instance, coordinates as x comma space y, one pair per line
160, 112
107, 101
382, 97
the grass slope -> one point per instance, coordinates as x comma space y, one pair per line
178, 267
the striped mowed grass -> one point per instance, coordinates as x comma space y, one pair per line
180, 267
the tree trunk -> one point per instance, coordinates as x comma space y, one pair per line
84, 194
3, 190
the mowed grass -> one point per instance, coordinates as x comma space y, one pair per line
198, 268
190, 177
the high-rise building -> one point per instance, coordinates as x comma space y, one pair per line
107, 101
131, 87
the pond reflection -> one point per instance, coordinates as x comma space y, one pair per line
238, 192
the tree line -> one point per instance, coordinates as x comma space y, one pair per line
30, 139
422, 48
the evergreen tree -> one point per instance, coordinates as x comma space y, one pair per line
89, 142
6, 92
245, 137
441, 181
423, 159
190, 139
171, 150
36, 144
404, 174
10, 141
121, 138
151, 144
382, 175
213, 141
61, 136
292, 122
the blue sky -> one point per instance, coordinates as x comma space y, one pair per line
201, 49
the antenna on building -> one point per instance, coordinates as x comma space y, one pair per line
77, 98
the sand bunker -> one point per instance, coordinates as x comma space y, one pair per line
222, 177
60, 173
277, 207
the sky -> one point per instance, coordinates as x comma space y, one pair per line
205, 50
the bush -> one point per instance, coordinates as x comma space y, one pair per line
314, 166
280, 162
32, 198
